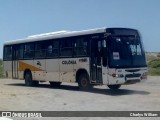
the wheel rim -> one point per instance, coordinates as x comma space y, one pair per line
84, 82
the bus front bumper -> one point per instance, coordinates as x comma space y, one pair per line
142, 78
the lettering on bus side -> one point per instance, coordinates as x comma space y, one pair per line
83, 60
69, 62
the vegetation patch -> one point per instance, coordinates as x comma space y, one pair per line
153, 62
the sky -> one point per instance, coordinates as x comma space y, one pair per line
22, 18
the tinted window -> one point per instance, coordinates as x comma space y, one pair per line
124, 51
66, 47
29, 51
19, 52
8, 53
40, 50
52, 49
81, 47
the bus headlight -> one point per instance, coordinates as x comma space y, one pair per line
144, 75
117, 75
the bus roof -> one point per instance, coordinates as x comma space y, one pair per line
54, 35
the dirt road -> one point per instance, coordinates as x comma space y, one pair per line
15, 96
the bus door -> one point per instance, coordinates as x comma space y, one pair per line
96, 58
15, 62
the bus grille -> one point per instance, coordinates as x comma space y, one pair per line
132, 75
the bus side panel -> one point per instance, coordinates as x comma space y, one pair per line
82, 63
105, 75
26, 65
20, 74
7, 69
66, 69
52, 70
39, 69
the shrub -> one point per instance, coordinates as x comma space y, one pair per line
154, 63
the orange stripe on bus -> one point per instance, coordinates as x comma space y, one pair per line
23, 66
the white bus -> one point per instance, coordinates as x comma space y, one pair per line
106, 56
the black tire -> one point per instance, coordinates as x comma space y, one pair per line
114, 87
55, 84
29, 81
83, 82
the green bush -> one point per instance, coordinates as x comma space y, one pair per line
150, 58
154, 71
154, 63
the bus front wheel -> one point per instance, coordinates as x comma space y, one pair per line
29, 81
83, 82
114, 87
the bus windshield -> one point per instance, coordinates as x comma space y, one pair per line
125, 52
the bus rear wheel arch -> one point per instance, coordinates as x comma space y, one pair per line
28, 79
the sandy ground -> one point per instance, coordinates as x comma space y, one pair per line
15, 96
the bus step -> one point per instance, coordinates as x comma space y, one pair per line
96, 82
93, 81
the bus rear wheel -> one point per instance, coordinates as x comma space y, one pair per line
114, 87
55, 84
29, 81
83, 83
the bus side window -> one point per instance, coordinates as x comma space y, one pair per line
52, 49
81, 47
66, 48
29, 51
19, 54
8, 53
40, 51
49, 49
